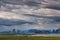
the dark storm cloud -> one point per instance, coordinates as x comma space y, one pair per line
56, 7
32, 15
26, 2
52, 4
32, 3
55, 19
7, 22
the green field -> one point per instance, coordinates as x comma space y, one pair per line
9, 37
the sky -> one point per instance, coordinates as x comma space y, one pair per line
29, 14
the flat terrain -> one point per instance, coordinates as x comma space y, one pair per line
10, 37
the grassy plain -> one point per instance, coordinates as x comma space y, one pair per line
10, 37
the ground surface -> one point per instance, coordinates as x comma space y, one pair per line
9, 37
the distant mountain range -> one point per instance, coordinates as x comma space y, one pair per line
36, 31
31, 32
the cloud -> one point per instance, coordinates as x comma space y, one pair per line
32, 3
11, 22
52, 4
30, 14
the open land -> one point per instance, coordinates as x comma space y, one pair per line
12, 37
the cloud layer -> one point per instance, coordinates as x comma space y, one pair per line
29, 14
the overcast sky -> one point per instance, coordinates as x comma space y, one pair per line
29, 14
